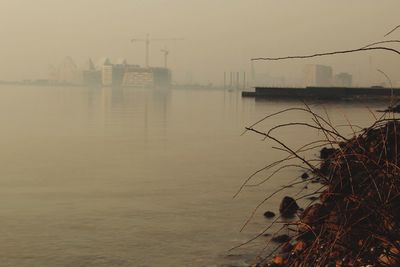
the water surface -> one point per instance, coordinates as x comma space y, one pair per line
131, 177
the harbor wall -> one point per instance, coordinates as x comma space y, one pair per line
321, 92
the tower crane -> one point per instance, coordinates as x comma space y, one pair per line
165, 51
147, 42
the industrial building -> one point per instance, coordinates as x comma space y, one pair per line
125, 75
66, 73
107, 75
343, 80
136, 76
90, 75
318, 76
161, 76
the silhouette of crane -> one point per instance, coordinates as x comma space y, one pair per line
166, 53
147, 42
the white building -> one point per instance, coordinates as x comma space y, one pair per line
123, 74
138, 77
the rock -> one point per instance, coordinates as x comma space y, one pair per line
332, 221
288, 207
326, 153
355, 221
269, 214
310, 219
299, 246
307, 235
335, 254
387, 259
316, 181
312, 214
325, 196
281, 239
305, 176
287, 247
278, 261
325, 167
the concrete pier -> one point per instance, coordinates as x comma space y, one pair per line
322, 92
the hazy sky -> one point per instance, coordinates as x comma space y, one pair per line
220, 35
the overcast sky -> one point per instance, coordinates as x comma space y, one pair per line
220, 35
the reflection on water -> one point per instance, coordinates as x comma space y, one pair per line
129, 177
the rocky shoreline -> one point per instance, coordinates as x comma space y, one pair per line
355, 220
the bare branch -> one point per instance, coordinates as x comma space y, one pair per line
382, 42
329, 53
395, 28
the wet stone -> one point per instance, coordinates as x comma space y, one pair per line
305, 176
288, 207
269, 214
281, 239
327, 152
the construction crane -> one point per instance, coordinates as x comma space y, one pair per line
147, 42
165, 51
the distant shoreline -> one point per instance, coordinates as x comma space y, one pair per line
51, 84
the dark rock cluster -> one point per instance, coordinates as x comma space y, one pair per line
356, 219
288, 207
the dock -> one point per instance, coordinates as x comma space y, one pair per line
322, 92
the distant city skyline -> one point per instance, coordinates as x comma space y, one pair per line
219, 35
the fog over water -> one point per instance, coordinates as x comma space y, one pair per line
219, 35
134, 176
130, 177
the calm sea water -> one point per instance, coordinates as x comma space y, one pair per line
129, 177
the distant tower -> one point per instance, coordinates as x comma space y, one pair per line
147, 42
107, 73
89, 65
166, 53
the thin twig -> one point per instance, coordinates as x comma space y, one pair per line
329, 53
391, 31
